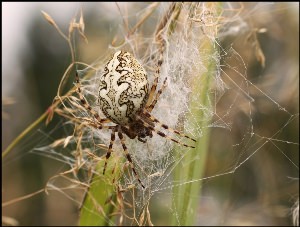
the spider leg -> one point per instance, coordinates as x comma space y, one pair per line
108, 153
166, 126
154, 101
152, 90
85, 103
162, 45
155, 82
147, 125
100, 126
142, 140
129, 157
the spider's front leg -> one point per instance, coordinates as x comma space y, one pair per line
108, 153
157, 122
151, 128
129, 157
142, 140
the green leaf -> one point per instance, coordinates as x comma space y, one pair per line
98, 206
186, 196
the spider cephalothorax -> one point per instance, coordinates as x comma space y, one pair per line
125, 100
137, 129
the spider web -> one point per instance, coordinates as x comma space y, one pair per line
200, 48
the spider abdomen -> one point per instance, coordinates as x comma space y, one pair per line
123, 89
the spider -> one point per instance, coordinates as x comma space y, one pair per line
125, 99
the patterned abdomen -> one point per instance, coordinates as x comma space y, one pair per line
123, 89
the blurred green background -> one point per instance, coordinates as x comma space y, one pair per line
261, 192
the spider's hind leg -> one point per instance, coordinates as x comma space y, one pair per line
152, 100
150, 106
85, 103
